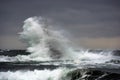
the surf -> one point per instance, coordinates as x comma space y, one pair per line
45, 43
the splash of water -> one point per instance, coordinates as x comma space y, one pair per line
45, 43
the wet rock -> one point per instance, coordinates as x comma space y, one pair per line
74, 75
116, 52
111, 76
88, 74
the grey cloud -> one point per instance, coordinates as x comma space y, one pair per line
84, 23
82, 17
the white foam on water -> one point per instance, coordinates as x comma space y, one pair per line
57, 74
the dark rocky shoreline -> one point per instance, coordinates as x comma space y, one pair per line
89, 74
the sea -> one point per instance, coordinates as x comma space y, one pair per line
51, 56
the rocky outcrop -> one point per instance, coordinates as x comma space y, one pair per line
88, 74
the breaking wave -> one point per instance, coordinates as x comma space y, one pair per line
57, 74
50, 56
45, 44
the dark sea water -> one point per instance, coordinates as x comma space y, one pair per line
52, 56
57, 69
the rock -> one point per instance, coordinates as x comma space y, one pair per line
116, 52
88, 74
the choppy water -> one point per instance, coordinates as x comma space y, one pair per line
50, 56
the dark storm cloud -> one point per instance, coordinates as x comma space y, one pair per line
87, 18
97, 19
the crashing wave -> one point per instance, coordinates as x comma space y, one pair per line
44, 42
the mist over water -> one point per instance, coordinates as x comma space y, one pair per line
44, 42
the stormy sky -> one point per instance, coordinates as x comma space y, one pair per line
92, 23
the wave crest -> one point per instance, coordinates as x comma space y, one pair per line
44, 42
